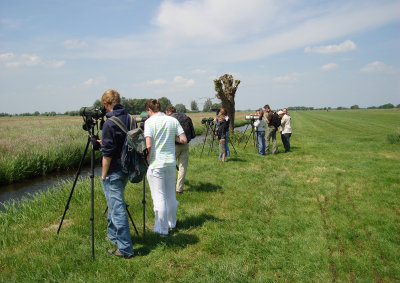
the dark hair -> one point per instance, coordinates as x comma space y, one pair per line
266, 106
171, 109
153, 104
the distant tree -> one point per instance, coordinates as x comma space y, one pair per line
226, 89
193, 106
355, 106
180, 108
37, 113
398, 106
97, 103
207, 105
164, 103
372, 107
386, 106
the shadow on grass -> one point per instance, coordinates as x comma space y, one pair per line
175, 237
202, 187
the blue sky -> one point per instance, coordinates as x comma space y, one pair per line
62, 55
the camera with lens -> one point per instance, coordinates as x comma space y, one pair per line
91, 115
252, 117
93, 112
207, 120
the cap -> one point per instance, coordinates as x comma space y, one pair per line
280, 112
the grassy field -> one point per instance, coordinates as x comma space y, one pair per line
34, 146
327, 211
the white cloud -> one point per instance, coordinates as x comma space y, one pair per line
289, 78
376, 67
336, 22
213, 21
154, 82
177, 81
93, 82
182, 82
11, 60
345, 46
74, 44
330, 66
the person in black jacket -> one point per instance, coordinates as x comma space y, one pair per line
114, 181
223, 127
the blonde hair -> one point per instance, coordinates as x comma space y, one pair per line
111, 97
222, 111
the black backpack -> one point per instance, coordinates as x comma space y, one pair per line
276, 120
134, 152
186, 124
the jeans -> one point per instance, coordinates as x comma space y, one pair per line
118, 226
162, 189
261, 142
227, 151
271, 133
286, 141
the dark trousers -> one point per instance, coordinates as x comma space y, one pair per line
286, 141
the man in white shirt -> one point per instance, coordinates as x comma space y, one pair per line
161, 132
286, 129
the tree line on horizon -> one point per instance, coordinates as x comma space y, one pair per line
135, 106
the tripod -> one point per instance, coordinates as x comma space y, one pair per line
211, 126
92, 139
252, 135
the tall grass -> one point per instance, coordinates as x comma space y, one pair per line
328, 211
34, 146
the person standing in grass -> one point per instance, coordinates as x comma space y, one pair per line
114, 181
224, 113
285, 129
161, 132
271, 132
260, 124
182, 150
223, 127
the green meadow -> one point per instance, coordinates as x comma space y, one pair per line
329, 211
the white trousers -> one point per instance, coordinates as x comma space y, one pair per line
162, 189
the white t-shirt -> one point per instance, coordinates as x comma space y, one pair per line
162, 130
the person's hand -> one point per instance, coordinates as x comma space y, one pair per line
100, 142
226, 118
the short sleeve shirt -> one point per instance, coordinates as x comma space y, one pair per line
162, 130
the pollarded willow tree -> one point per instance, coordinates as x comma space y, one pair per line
226, 89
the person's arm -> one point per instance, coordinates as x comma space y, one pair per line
148, 146
106, 165
181, 139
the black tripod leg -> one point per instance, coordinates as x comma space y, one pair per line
240, 140
205, 138
130, 217
144, 205
211, 148
73, 186
92, 181
232, 146
250, 135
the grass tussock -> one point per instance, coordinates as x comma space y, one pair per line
327, 211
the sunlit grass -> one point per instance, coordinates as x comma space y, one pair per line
327, 211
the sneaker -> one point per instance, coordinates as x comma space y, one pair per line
117, 253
